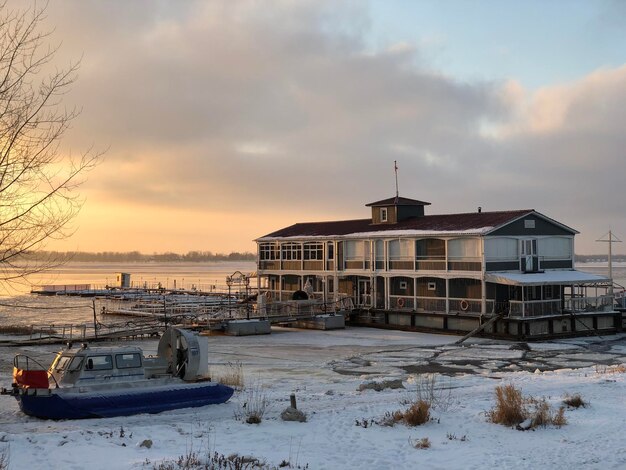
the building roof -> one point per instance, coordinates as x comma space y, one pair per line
448, 224
546, 278
398, 201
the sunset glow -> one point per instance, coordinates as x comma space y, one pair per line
224, 121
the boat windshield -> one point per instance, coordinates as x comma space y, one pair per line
76, 364
61, 363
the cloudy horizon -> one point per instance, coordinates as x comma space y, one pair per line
225, 121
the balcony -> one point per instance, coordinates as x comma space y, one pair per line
464, 264
401, 264
422, 264
545, 308
603, 303
534, 308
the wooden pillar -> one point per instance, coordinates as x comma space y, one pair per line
387, 293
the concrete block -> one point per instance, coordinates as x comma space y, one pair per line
605, 323
561, 325
539, 327
400, 319
248, 327
323, 322
462, 324
584, 324
429, 321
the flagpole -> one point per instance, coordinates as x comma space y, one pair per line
395, 168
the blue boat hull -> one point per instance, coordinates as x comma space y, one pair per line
102, 405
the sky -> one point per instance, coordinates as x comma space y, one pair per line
225, 121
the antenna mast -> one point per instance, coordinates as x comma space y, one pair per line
610, 239
395, 168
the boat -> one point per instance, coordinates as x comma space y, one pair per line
100, 382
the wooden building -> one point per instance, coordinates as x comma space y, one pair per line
403, 268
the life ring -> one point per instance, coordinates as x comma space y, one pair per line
400, 302
268, 295
464, 305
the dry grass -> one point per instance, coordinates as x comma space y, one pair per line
559, 418
253, 405
509, 409
429, 388
512, 409
418, 413
391, 418
423, 443
574, 401
231, 374
217, 461
541, 415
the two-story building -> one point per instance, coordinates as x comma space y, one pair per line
405, 269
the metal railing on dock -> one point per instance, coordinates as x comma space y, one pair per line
55, 333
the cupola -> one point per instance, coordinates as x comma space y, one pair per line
396, 209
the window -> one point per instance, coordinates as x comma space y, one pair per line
383, 214
430, 248
401, 249
355, 249
331, 250
529, 223
291, 251
464, 248
76, 364
501, 249
555, 248
268, 251
313, 251
126, 361
432, 286
403, 285
529, 246
61, 363
99, 363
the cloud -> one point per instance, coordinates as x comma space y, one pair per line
282, 108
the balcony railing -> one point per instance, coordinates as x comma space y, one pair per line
430, 264
464, 264
469, 305
269, 264
402, 264
589, 304
541, 308
438, 304
534, 308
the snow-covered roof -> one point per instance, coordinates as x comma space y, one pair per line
474, 223
545, 278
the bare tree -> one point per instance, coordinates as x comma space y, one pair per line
38, 181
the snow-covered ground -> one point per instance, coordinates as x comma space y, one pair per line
324, 370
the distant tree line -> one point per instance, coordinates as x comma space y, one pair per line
135, 256
205, 256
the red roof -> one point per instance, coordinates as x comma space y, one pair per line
429, 223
